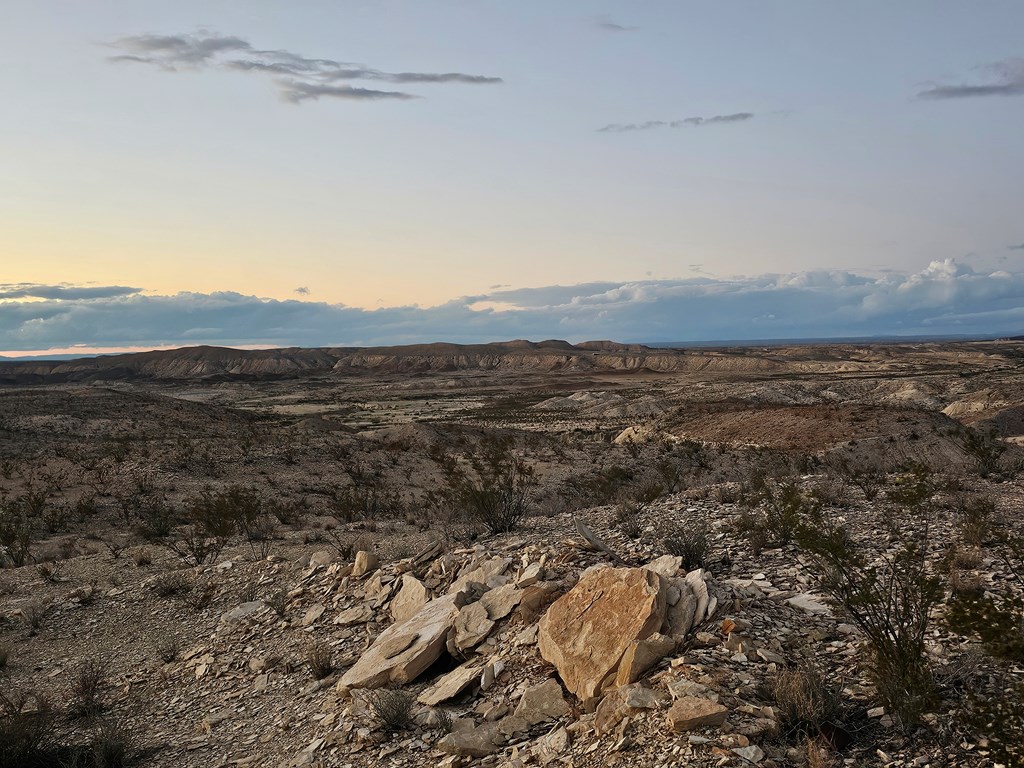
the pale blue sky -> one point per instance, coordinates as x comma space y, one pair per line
206, 179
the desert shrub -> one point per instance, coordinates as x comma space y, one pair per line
778, 513
805, 701
26, 728
33, 613
984, 449
976, 519
15, 533
496, 492
211, 518
112, 745
320, 660
171, 584
690, 542
890, 598
628, 518
392, 707
165, 645
260, 535
87, 687
156, 518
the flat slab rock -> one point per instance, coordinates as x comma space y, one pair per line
403, 651
691, 712
587, 631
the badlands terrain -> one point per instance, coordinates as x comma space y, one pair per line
516, 554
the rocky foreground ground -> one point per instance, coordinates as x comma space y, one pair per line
566, 643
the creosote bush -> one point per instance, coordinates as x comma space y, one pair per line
497, 489
889, 597
392, 707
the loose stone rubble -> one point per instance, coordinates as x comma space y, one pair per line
519, 651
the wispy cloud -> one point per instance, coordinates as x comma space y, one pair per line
1019, 247
944, 298
1005, 78
736, 117
298, 78
608, 25
302, 290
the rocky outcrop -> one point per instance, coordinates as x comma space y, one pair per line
586, 632
403, 651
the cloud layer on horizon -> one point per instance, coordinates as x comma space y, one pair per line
944, 298
298, 78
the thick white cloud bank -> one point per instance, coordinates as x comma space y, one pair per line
945, 298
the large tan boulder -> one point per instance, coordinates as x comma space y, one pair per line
586, 633
404, 650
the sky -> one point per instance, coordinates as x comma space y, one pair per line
349, 172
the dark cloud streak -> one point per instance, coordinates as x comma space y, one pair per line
299, 78
696, 122
1008, 78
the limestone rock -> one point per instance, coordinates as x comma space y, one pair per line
530, 575
406, 649
410, 598
690, 712
641, 656
623, 702
357, 614
587, 631
500, 602
699, 587
549, 747
542, 702
242, 611
471, 626
365, 562
666, 565
450, 686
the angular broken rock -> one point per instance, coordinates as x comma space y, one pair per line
450, 686
483, 739
500, 602
365, 562
550, 746
695, 579
542, 702
690, 712
471, 626
403, 651
410, 598
680, 613
622, 702
641, 656
587, 631
666, 565
357, 614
